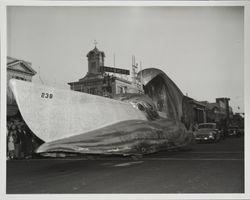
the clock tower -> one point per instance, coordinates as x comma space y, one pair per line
95, 60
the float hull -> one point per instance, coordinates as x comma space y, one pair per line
75, 122
53, 114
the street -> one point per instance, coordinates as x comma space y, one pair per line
207, 168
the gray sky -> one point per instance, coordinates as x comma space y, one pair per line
199, 48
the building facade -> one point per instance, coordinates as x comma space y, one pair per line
194, 112
97, 81
17, 69
219, 110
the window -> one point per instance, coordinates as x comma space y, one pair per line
19, 78
119, 90
205, 126
92, 90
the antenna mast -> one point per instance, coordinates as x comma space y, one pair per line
134, 70
95, 43
40, 76
141, 72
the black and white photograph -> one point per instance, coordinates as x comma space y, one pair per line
124, 99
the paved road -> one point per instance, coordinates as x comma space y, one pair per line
207, 168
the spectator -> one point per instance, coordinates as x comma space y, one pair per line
7, 139
28, 143
17, 142
195, 127
35, 143
22, 140
11, 145
9, 124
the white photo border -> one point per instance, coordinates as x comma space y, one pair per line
3, 51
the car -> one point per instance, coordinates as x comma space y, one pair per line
208, 132
233, 131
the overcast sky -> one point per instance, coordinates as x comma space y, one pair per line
199, 48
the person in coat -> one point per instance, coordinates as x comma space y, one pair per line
11, 145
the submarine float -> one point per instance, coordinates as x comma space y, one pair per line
71, 122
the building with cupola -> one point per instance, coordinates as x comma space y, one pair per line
17, 69
104, 80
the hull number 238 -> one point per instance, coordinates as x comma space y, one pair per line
46, 95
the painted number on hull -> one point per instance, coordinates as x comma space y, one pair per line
46, 95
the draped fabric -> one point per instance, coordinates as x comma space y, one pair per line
164, 106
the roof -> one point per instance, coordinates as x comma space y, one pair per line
210, 106
209, 123
89, 77
123, 80
96, 51
199, 103
20, 65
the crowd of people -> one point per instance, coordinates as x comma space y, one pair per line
21, 143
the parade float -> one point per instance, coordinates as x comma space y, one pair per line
71, 122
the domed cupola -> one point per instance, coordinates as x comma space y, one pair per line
95, 60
